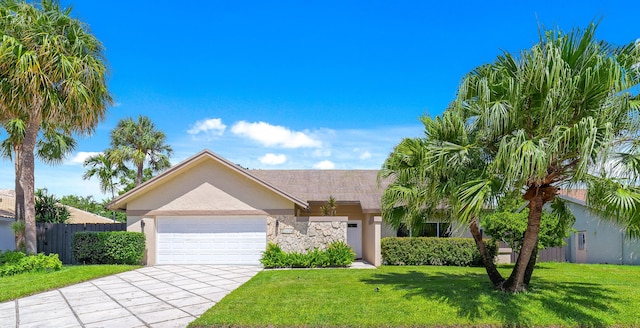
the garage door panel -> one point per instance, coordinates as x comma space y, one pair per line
210, 240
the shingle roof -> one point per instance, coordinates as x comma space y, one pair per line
318, 185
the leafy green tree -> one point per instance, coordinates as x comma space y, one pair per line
532, 124
48, 208
509, 222
51, 70
139, 142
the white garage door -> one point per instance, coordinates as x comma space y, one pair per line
210, 240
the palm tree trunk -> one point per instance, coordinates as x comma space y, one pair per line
140, 171
19, 194
530, 266
537, 197
27, 181
495, 276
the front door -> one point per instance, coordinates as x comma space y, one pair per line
581, 247
354, 236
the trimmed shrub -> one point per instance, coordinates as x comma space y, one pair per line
433, 251
108, 247
32, 263
88, 248
124, 247
337, 254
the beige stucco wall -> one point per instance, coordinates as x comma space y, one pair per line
302, 234
207, 187
371, 234
149, 229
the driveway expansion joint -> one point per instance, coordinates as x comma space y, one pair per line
71, 307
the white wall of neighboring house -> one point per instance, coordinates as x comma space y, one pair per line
7, 237
604, 241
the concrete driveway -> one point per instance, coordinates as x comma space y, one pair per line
158, 296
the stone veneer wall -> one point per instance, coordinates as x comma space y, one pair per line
299, 234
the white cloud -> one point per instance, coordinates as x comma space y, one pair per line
274, 135
321, 153
324, 165
209, 127
273, 159
365, 155
80, 157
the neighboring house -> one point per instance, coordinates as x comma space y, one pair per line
7, 218
207, 210
7, 236
81, 216
595, 239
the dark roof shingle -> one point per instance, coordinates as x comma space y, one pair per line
318, 185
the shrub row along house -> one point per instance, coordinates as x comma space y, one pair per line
208, 210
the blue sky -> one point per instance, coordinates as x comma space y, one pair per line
300, 84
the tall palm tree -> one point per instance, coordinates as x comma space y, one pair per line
51, 148
53, 70
533, 124
140, 142
107, 171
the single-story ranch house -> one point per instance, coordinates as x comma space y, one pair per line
208, 210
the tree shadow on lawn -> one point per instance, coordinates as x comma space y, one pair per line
474, 297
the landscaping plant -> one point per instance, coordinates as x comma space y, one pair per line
337, 254
432, 251
14, 262
560, 114
108, 247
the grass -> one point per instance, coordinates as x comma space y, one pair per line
12, 287
561, 295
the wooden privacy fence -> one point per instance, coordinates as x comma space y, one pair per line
550, 254
56, 237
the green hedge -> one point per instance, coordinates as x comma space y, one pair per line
337, 254
14, 262
433, 251
108, 247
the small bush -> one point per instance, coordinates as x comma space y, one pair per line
31, 263
11, 257
108, 247
433, 251
124, 247
337, 254
340, 254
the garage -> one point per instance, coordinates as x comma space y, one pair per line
236, 240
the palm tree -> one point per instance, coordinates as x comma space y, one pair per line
51, 148
532, 125
140, 142
102, 167
418, 189
53, 70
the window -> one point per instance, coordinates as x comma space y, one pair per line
431, 229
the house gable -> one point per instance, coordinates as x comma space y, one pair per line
206, 185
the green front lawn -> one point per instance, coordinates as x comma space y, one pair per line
25, 284
562, 295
